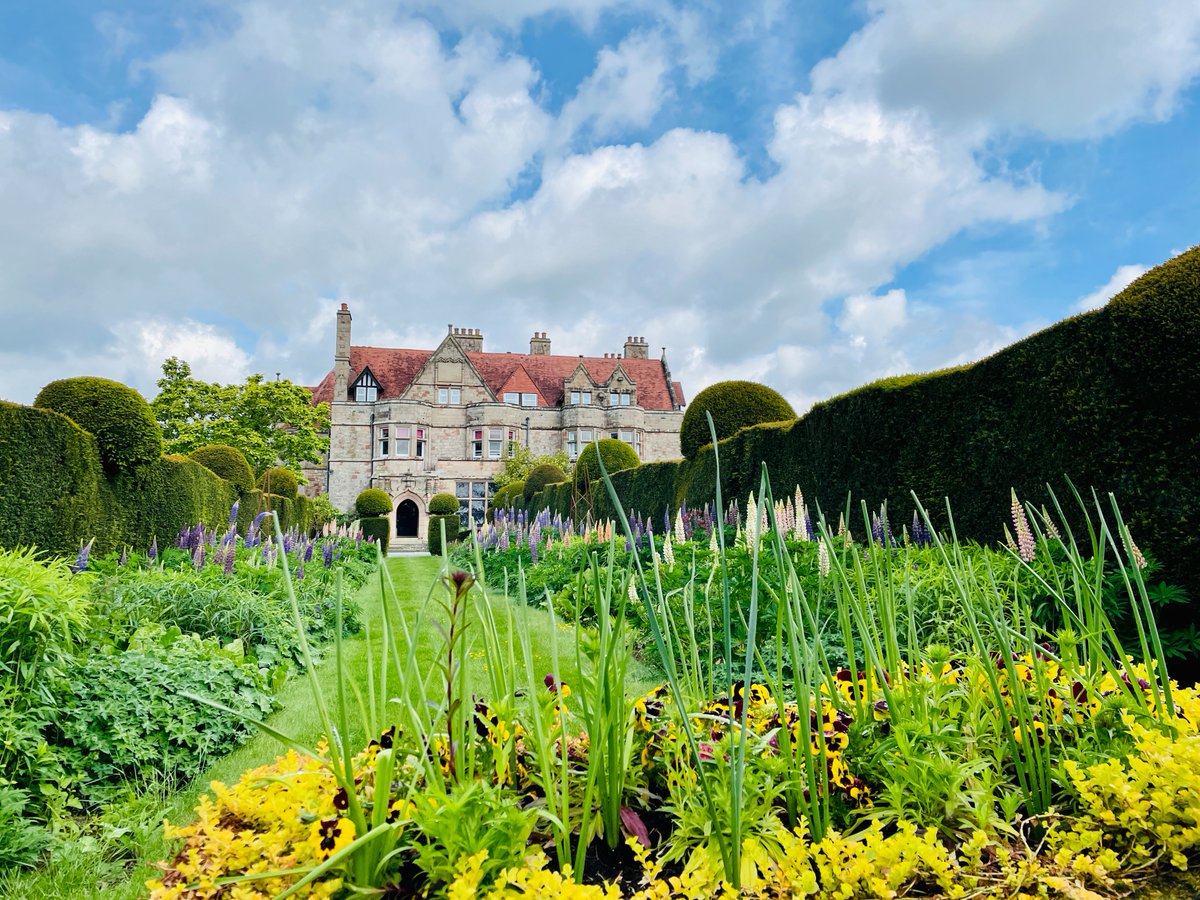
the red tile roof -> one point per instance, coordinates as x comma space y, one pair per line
396, 369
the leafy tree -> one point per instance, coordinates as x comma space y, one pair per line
271, 422
523, 461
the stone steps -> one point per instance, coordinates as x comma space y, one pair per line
407, 547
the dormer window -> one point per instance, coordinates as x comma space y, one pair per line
520, 399
581, 398
365, 388
616, 399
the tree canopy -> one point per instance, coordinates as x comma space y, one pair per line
271, 422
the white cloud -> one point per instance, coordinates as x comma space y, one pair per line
625, 90
1067, 69
1121, 279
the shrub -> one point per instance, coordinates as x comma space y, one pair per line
322, 510
378, 529
278, 481
45, 608
734, 405
126, 432
443, 504
435, 530
542, 475
123, 716
508, 496
373, 502
616, 456
229, 463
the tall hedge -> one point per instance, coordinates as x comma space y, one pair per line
734, 405
378, 529
51, 481
1109, 398
434, 538
127, 434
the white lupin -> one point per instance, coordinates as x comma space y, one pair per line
668, 551
679, 535
823, 560
751, 522
632, 588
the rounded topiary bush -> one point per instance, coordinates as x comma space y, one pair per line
278, 481
540, 476
616, 455
373, 502
734, 405
443, 504
121, 420
227, 462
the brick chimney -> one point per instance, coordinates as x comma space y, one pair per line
539, 344
341, 355
470, 339
636, 348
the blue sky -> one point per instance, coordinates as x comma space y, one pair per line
811, 194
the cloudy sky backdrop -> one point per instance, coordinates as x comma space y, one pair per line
811, 194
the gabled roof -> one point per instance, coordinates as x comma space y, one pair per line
395, 370
520, 382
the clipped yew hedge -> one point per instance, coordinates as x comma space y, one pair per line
1109, 398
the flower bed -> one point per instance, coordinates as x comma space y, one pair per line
1026, 754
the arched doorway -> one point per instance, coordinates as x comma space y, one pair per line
408, 517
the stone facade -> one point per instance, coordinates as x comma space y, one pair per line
417, 423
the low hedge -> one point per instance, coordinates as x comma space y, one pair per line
734, 405
435, 531
377, 528
616, 456
443, 504
279, 481
539, 477
373, 502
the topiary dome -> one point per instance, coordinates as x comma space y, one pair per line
443, 504
278, 481
126, 432
373, 502
734, 405
616, 455
539, 477
227, 462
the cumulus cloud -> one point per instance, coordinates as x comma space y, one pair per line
1121, 279
1068, 69
309, 154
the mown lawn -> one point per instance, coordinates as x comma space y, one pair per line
114, 854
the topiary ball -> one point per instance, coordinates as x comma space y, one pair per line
228, 463
540, 476
373, 502
121, 420
278, 481
616, 455
734, 405
443, 504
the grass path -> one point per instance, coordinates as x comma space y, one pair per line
115, 857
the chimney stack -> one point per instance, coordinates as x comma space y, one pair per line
470, 339
341, 356
636, 348
539, 344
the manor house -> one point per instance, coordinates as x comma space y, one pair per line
421, 422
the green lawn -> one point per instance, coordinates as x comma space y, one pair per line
116, 854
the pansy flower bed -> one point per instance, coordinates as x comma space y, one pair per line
1011, 761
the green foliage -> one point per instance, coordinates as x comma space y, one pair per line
450, 520
373, 502
118, 417
539, 477
443, 504
122, 715
616, 456
43, 615
322, 511
508, 496
734, 405
523, 461
278, 481
20, 839
378, 529
228, 462
266, 420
